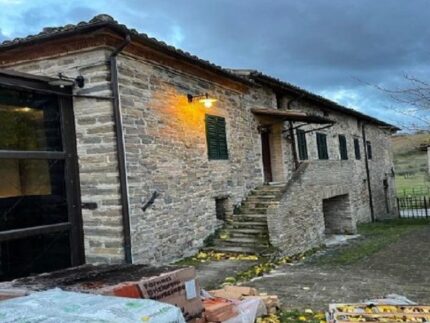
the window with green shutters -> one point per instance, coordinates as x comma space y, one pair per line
322, 145
301, 144
216, 137
357, 148
369, 150
343, 150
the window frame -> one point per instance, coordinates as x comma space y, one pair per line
369, 150
68, 154
357, 150
302, 145
322, 146
343, 147
217, 146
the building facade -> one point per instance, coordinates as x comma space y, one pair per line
155, 164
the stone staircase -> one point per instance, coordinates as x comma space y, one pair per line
247, 231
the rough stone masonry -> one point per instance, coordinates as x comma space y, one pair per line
166, 148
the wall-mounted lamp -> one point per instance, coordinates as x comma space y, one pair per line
205, 99
64, 81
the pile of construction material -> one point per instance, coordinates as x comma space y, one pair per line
369, 312
173, 285
56, 305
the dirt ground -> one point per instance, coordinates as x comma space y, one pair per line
402, 267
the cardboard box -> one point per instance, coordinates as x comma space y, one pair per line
234, 292
169, 284
178, 287
243, 290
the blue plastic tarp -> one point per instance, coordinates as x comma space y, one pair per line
59, 306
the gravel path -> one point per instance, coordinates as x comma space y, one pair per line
402, 267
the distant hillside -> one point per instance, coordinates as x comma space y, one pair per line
411, 164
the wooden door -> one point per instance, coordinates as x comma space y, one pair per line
267, 162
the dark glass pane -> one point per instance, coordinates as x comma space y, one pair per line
32, 255
29, 121
32, 193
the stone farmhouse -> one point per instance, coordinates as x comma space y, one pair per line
113, 149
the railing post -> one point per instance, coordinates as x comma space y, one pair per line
398, 207
425, 206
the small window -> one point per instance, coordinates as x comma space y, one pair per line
322, 145
301, 143
220, 208
216, 137
357, 148
369, 150
343, 150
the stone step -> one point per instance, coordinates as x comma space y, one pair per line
250, 231
276, 184
236, 249
247, 233
248, 242
250, 217
253, 210
267, 191
238, 234
259, 204
262, 197
248, 224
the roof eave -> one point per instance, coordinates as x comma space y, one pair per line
135, 36
282, 86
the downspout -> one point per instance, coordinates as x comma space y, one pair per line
366, 161
120, 143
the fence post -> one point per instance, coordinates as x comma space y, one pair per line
398, 207
425, 206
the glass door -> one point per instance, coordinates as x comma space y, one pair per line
40, 226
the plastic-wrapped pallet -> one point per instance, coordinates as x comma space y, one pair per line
57, 306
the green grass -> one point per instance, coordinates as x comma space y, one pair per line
375, 237
411, 164
415, 185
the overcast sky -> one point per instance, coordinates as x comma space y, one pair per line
331, 47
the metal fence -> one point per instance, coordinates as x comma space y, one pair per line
413, 207
414, 191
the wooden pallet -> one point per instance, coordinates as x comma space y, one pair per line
346, 313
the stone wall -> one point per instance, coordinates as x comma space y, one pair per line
96, 147
166, 152
380, 165
381, 168
297, 223
337, 215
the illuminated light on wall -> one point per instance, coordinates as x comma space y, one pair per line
204, 99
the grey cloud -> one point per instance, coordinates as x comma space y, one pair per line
320, 45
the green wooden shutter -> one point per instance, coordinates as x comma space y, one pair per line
216, 137
369, 150
357, 148
322, 146
343, 148
222, 139
301, 143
